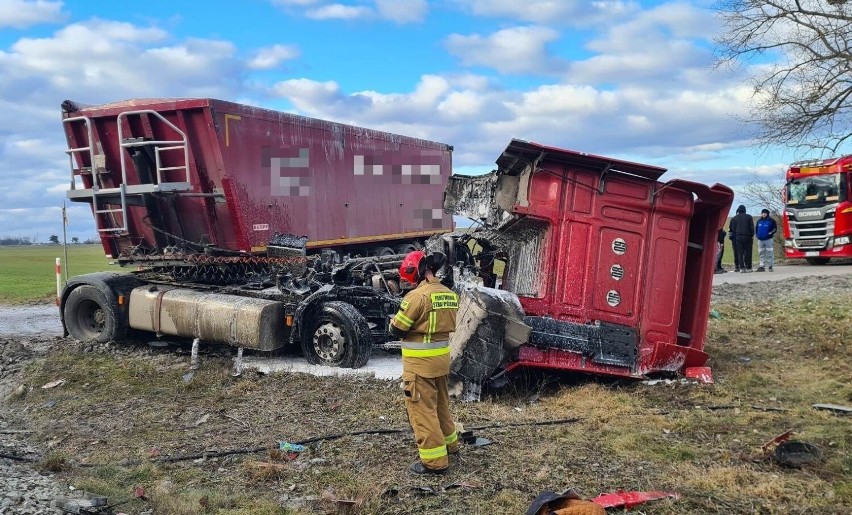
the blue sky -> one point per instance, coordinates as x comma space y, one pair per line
630, 79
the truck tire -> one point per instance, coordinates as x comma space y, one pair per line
339, 337
817, 261
91, 317
404, 248
384, 251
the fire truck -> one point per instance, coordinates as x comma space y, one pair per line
818, 211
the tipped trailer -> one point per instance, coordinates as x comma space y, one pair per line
202, 198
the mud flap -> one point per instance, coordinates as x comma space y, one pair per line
489, 326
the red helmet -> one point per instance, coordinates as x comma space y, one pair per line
409, 269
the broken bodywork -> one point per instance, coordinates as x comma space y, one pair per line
613, 269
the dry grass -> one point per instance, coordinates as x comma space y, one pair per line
703, 441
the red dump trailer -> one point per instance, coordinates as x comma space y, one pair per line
200, 173
247, 226
612, 267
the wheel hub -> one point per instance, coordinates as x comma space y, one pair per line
329, 342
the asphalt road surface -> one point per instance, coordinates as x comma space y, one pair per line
783, 272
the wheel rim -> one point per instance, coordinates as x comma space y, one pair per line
329, 342
91, 318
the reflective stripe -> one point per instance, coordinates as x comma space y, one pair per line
425, 353
444, 300
429, 345
451, 439
433, 319
403, 320
433, 453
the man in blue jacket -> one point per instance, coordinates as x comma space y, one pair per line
765, 229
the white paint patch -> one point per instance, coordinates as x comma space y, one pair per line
380, 366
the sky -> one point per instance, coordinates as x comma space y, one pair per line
628, 79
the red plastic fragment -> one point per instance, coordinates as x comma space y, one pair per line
622, 499
702, 374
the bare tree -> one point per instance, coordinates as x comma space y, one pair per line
765, 191
803, 97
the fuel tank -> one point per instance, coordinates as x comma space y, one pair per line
240, 321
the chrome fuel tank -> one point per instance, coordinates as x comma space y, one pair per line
214, 317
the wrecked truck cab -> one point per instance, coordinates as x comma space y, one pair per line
612, 267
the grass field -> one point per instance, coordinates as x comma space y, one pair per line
701, 441
27, 273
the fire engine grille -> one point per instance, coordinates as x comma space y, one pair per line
811, 244
810, 229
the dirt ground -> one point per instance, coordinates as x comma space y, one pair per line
122, 412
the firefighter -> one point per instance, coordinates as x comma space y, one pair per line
426, 317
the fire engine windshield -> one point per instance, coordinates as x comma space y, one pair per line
816, 190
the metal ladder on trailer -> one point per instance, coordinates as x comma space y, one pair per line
97, 167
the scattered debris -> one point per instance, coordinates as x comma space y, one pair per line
783, 437
566, 503
837, 408
53, 384
459, 484
715, 315
769, 408
795, 454
627, 500
87, 504
292, 448
703, 375
424, 490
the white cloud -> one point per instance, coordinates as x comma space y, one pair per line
553, 12
338, 11
93, 62
398, 11
512, 50
25, 13
402, 11
271, 57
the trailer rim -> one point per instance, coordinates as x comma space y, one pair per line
329, 342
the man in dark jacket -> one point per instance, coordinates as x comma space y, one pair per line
742, 236
720, 251
765, 231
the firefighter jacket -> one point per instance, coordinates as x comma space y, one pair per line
427, 315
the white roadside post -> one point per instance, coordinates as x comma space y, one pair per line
58, 280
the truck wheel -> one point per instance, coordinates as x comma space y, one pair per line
404, 248
339, 337
817, 261
384, 251
89, 316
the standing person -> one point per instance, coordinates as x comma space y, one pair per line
720, 251
765, 230
426, 317
742, 235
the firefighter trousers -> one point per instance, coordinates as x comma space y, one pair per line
428, 406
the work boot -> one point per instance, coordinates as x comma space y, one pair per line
419, 468
770, 269
760, 269
737, 270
